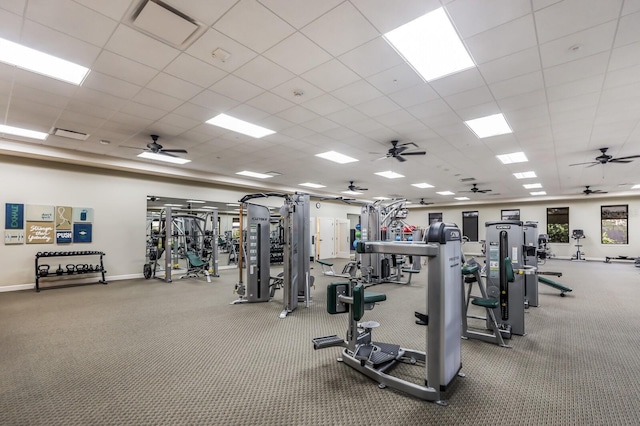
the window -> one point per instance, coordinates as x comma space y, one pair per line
470, 225
558, 224
510, 214
613, 222
435, 217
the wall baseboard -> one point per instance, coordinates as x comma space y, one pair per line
31, 286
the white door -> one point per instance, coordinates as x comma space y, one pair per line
325, 248
314, 236
342, 239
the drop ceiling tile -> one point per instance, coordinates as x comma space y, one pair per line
297, 132
588, 42
325, 104
524, 100
264, 73
504, 40
430, 109
394, 118
214, 101
124, 69
414, 95
340, 30
138, 47
506, 67
378, 106
253, 25
180, 121
114, 9
459, 82
630, 6
16, 7
518, 85
298, 16
276, 123
58, 44
40, 82
629, 91
248, 113
357, 93
143, 111
89, 109
625, 56
194, 111
472, 17
291, 88
297, 114
165, 130
158, 100
72, 19
174, 87
212, 40
77, 122
10, 25
204, 11
330, 76
297, 54
194, 70
94, 97
576, 88
386, 15
111, 85
236, 88
622, 77
347, 116
126, 123
581, 68
395, 79
372, 58
571, 16
270, 103
477, 96
320, 125
628, 30
20, 91
480, 110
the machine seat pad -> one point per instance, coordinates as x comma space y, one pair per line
486, 303
371, 297
324, 262
469, 269
194, 260
411, 271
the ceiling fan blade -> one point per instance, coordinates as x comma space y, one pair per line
168, 154
588, 162
399, 158
625, 158
183, 151
619, 160
400, 150
485, 190
415, 153
363, 189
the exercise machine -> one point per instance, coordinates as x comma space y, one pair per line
530, 258
577, 235
443, 357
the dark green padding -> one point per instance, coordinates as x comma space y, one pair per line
553, 284
469, 269
411, 271
194, 260
486, 303
333, 307
324, 262
509, 267
371, 297
358, 302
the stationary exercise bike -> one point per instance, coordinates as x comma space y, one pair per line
577, 235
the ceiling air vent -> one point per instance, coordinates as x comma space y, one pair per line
70, 134
166, 23
469, 179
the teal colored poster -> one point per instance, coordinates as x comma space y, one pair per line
81, 232
14, 216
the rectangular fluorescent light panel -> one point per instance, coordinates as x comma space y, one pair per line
41, 63
233, 205
390, 175
162, 157
532, 185
525, 175
445, 193
17, 131
422, 185
431, 45
538, 193
312, 185
491, 125
352, 192
196, 201
254, 174
240, 126
381, 198
462, 198
173, 205
635, 187
209, 207
514, 157
336, 157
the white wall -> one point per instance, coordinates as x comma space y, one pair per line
119, 202
583, 214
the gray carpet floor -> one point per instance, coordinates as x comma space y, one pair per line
145, 352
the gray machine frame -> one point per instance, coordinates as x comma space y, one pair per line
530, 258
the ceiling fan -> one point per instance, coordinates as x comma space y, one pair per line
156, 148
604, 158
356, 188
475, 189
423, 202
589, 191
399, 150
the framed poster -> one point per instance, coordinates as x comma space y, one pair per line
435, 217
63, 218
513, 214
14, 216
40, 233
35, 213
82, 232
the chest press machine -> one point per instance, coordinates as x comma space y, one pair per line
442, 360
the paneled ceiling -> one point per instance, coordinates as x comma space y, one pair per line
565, 74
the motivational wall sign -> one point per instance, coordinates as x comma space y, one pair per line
40, 233
37, 213
13, 236
14, 216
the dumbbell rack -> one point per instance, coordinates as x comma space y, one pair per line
77, 274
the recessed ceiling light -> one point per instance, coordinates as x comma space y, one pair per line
240, 126
514, 157
352, 192
431, 45
389, 174
312, 185
233, 205
196, 202
422, 185
209, 207
532, 185
17, 131
173, 205
635, 187
336, 157
408, 202
445, 193
162, 157
491, 125
41, 63
381, 198
462, 198
254, 174
525, 175
538, 193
